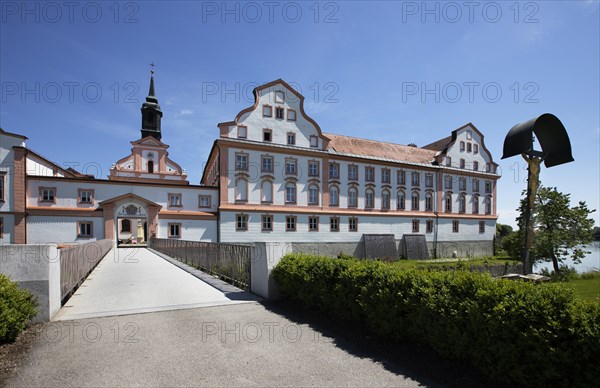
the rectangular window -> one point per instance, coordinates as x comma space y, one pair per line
279, 113
2, 187
314, 141
291, 138
279, 96
290, 224
462, 163
313, 224
475, 166
416, 178
291, 115
455, 226
468, 147
369, 199
241, 222
481, 226
370, 174
448, 182
241, 162
352, 197
267, 135
462, 145
352, 172
475, 148
448, 161
204, 200
313, 195
488, 187
428, 202
353, 224
85, 229
385, 175
291, 166
334, 224
175, 200
1, 227
267, 222
401, 177
47, 194
462, 184
266, 163
242, 131
313, 168
475, 185
488, 167
334, 170
428, 180
290, 193
86, 196
415, 226
267, 111
174, 230
429, 226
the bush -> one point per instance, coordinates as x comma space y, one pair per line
17, 307
515, 332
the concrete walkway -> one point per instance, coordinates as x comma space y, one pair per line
130, 281
233, 345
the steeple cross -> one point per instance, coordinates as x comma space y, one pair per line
152, 70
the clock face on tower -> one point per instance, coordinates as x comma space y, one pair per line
150, 155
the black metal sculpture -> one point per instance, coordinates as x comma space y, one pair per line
556, 150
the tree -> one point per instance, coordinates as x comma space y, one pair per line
560, 230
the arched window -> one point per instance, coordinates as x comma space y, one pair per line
334, 196
369, 199
290, 193
385, 199
150, 166
352, 197
414, 201
475, 204
428, 202
448, 203
313, 194
462, 203
266, 191
125, 226
400, 205
241, 190
488, 205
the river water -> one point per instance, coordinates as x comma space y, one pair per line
588, 263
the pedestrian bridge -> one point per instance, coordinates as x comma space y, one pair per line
137, 280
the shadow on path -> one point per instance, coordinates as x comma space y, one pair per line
412, 360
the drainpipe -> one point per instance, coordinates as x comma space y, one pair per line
437, 217
219, 197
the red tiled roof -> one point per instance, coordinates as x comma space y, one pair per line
439, 145
357, 146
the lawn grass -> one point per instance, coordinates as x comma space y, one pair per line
587, 289
480, 261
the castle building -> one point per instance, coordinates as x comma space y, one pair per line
272, 176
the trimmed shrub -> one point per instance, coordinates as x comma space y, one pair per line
514, 332
17, 307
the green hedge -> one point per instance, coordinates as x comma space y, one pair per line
17, 307
515, 332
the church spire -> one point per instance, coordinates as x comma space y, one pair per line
151, 113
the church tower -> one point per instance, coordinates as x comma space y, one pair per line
151, 113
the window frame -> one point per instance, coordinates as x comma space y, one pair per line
239, 157
429, 226
386, 175
294, 220
312, 187
288, 118
241, 222
334, 167
331, 224
80, 196
337, 196
264, 110
2, 186
291, 185
353, 168
50, 190
401, 177
369, 177
278, 110
350, 221
353, 204
170, 225
318, 168
315, 227
266, 219
415, 225
455, 226
314, 141
245, 128
481, 227
293, 137
416, 206
174, 195
204, 196
269, 132
81, 223
401, 204
264, 158
372, 193
291, 161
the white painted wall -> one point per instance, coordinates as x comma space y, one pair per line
39, 167
59, 230
191, 230
9, 228
468, 229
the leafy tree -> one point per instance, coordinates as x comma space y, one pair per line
560, 229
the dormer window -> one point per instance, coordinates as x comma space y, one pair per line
267, 111
242, 132
267, 135
314, 141
279, 113
279, 96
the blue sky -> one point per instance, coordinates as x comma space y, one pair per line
74, 75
